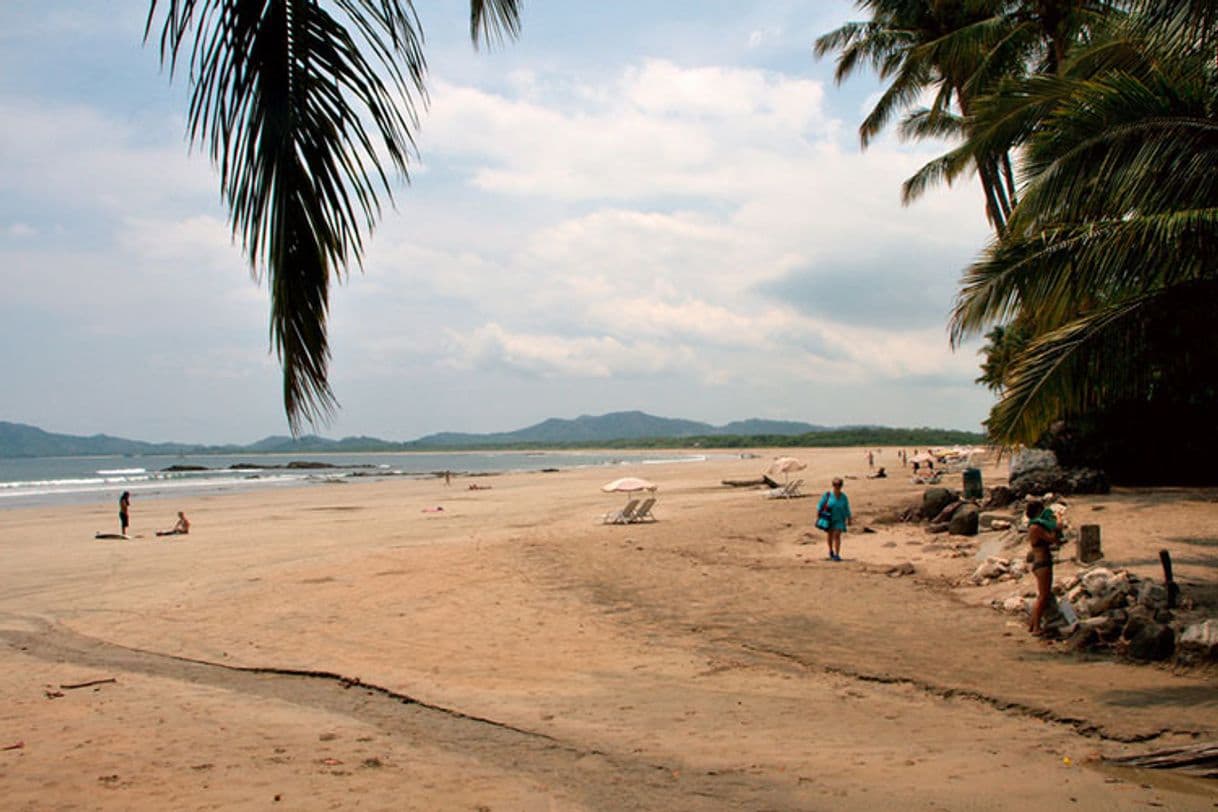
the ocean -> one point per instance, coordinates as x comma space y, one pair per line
27, 482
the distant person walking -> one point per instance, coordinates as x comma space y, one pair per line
870, 460
833, 516
124, 512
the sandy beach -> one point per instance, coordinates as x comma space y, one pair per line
344, 646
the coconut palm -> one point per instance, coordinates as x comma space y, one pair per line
920, 46
307, 108
1108, 256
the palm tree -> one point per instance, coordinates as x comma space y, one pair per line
292, 100
1110, 267
921, 46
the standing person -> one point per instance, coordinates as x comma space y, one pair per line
1042, 535
448, 477
870, 460
124, 507
833, 516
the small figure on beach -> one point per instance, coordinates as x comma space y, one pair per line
1042, 537
124, 512
880, 474
448, 477
179, 529
833, 516
870, 460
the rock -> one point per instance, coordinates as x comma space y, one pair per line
1095, 581
1201, 638
964, 520
945, 515
991, 568
1015, 603
1000, 524
1036, 482
1000, 496
987, 519
1086, 480
935, 499
1152, 595
905, 568
1147, 640
937, 528
1031, 459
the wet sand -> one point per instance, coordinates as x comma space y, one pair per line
340, 646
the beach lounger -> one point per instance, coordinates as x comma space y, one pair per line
624, 516
788, 491
643, 514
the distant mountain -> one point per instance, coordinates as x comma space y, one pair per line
618, 429
18, 440
583, 429
748, 428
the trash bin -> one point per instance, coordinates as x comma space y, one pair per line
972, 483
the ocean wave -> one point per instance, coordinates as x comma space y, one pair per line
121, 471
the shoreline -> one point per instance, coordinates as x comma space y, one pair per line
710, 660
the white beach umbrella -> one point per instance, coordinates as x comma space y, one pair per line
785, 465
629, 484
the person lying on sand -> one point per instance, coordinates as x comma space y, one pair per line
179, 529
880, 474
476, 487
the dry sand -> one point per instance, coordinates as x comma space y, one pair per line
338, 647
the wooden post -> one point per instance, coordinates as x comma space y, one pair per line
1089, 543
1173, 589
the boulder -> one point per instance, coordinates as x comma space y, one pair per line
1086, 480
964, 520
935, 499
1031, 459
999, 496
948, 511
905, 568
941, 527
1038, 482
1147, 640
1000, 524
1201, 638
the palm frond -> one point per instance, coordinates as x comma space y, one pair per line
492, 21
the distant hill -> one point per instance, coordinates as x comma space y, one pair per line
583, 429
18, 440
618, 429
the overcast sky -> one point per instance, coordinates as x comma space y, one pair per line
655, 206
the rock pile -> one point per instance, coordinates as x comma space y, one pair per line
1115, 610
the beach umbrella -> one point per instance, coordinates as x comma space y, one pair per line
785, 465
629, 484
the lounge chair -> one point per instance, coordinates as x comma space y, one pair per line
624, 516
787, 491
643, 514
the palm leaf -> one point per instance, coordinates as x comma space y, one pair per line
306, 113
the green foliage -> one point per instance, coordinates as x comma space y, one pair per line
283, 91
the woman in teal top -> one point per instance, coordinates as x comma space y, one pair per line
835, 507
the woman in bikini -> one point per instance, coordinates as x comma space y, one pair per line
1042, 537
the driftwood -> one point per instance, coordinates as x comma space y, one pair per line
1200, 760
87, 684
751, 483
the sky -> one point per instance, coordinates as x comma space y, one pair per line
652, 206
